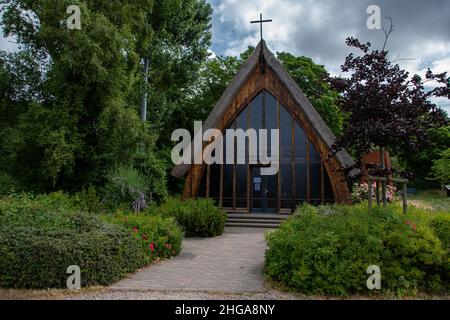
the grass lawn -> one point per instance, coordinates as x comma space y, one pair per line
430, 199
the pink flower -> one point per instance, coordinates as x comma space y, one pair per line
152, 247
135, 229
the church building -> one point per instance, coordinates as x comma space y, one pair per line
263, 95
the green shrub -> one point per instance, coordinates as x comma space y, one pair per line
126, 186
37, 258
198, 218
7, 184
87, 200
40, 211
327, 250
160, 237
41, 235
155, 166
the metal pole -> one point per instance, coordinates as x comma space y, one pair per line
370, 193
145, 95
383, 183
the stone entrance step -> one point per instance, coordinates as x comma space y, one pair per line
253, 220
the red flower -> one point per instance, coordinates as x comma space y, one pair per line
144, 236
414, 227
152, 247
135, 229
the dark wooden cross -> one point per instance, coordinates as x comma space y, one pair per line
260, 21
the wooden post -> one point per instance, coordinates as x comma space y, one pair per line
383, 183
370, 192
377, 192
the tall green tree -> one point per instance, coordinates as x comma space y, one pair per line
70, 98
440, 171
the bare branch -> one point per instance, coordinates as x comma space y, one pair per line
402, 59
387, 33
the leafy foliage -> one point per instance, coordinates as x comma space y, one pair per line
386, 108
34, 258
313, 81
8, 184
327, 250
126, 185
40, 236
69, 98
441, 169
159, 236
198, 218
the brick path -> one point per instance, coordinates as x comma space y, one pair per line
231, 263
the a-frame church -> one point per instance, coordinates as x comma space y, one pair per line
263, 95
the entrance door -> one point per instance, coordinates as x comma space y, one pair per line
264, 193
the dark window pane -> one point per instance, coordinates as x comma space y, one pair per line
315, 181
270, 192
227, 200
241, 120
285, 135
256, 121
270, 117
241, 186
227, 185
286, 184
300, 181
313, 154
300, 142
214, 186
271, 111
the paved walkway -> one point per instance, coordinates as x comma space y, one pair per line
230, 263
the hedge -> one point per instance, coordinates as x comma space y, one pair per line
36, 258
197, 217
327, 250
40, 236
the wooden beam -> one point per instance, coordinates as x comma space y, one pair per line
208, 179
292, 164
322, 183
279, 164
308, 188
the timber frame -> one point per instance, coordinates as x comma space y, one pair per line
252, 78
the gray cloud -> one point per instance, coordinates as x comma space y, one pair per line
318, 29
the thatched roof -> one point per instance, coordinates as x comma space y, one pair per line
317, 123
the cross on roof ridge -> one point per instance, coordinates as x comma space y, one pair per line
261, 21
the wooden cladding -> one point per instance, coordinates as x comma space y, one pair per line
327, 172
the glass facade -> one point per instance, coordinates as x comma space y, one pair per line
301, 177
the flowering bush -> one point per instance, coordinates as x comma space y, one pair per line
315, 252
361, 192
161, 237
41, 235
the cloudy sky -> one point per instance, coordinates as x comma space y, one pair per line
318, 29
